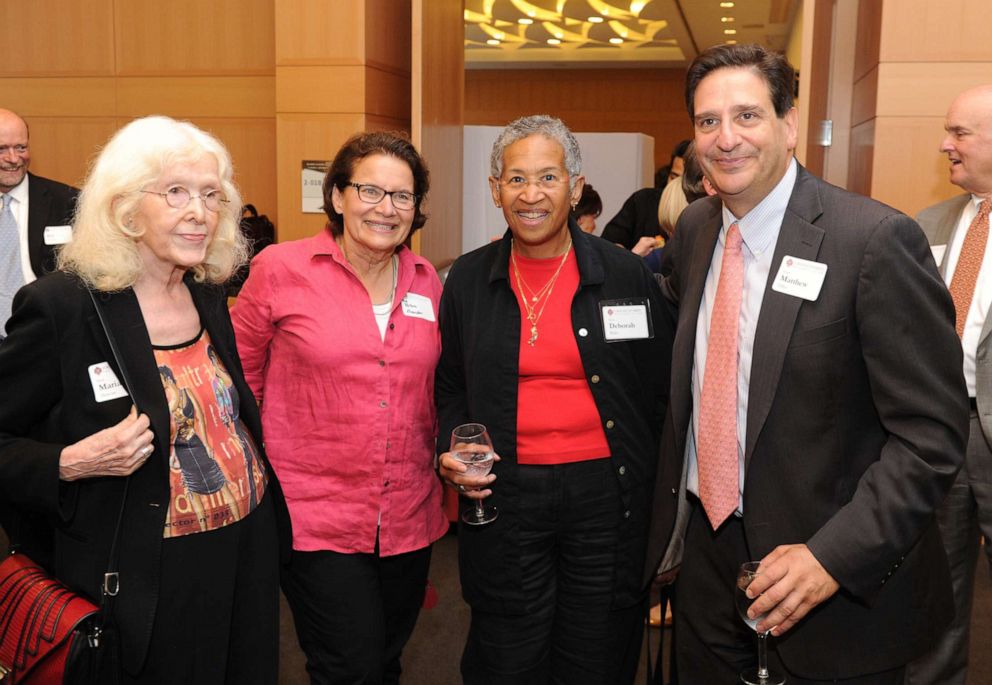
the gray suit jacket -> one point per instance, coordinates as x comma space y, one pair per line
939, 222
856, 424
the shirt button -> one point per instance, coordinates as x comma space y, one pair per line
382, 403
386, 484
609, 423
595, 378
622, 470
583, 332
382, 362
392, 326
389, 444
626, 514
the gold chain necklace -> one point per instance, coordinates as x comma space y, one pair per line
539, 300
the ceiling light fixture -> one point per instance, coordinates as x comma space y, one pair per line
595, 20
492, 41
525, 21
731, 42
554, 41
726, 4
726, 20
730, 32
616, 41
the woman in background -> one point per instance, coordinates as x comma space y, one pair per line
587, 209
339, 337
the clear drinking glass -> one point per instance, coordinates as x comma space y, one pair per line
760, 675
479, 463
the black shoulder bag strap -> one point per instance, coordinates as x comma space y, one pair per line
111, 579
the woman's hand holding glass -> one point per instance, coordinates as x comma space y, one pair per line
456, 473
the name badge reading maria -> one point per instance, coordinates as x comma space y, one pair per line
626, 319
418, 306
105, 384
800, 278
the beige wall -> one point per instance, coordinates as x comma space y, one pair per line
912, 58
649, 101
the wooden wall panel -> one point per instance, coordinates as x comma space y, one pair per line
197, 96
438, 88
864, 97
63, 147
928, 31
862, 157
387, 94
89, 96
927, 88
868, 37
320, 88
384, 45
649, 101
911, 172
192, 37
319, 32
57, 37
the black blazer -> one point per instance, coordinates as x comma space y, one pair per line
636, 219
856, 426
50, 203
55, 336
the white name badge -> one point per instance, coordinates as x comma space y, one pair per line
58, 235
938, 252
418, 306
800, 278
105, 384
626, 319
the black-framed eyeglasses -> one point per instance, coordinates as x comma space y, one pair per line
373, 195
178, 197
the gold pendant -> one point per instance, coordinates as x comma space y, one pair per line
533, 335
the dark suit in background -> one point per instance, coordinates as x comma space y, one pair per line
50, 203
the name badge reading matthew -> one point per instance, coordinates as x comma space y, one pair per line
105, 384
57, 235
627, 319
800, 278
418, 306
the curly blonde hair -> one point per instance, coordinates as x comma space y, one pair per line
104, 249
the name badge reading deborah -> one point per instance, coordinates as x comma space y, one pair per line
418, 306
58, 235
627, 319
105, 384
800, 278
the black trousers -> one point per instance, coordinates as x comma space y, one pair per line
217, 619
355, 612
571, 632
714, 643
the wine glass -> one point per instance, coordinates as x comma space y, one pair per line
760, 675
479, 463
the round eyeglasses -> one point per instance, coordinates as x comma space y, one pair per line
178, 197
373, 195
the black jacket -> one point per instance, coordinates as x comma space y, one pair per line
477, 380
49, 403
50, 203
636, 219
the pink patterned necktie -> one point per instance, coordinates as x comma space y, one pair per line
717, 440
969, 264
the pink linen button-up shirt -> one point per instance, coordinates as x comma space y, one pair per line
348, 419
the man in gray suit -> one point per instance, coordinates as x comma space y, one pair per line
958, 232
838, 421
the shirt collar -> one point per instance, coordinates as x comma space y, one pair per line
20, 191
760, 227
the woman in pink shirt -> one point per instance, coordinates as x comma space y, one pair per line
338, 336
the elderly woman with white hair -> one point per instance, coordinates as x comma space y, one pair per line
558, 342
148, 423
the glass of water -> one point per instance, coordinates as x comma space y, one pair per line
470, 444
760, 675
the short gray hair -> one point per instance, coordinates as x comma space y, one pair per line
538, 124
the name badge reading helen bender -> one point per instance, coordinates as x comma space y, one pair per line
626, 319
418, 306
800, 278
105, 384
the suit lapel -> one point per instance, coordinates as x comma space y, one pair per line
798, 237
947, 227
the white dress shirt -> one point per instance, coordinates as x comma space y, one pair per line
981, 300
759, 230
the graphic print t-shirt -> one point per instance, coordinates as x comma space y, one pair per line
215, 475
